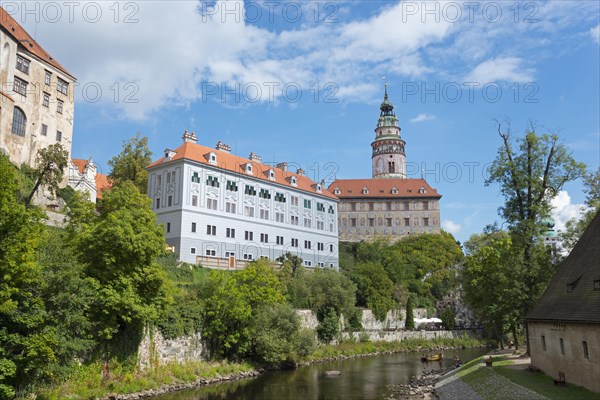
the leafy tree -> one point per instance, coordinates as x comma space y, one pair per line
120, 250
410, 319
329, 326
375, 289
576, 227
259, 284
277, 337
26, 343
530, 176
330, 290
448, 318
67, 294
291, 262
530, 172
226, 316
49, 171
130, 164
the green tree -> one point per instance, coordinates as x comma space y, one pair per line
259, 284
120, 252
67, 294
26, 342
409, 324
49, 171
448, 318
277, 338
329, 326
226, 316
375, 289
576, 227
130, 164
530, 172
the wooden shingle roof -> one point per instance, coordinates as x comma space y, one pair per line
570, 296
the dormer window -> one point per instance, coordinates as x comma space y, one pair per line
365, 190
422, 190
271, 175
394, 190
211, 157
318, 187
293, 181
248, 168
337, 191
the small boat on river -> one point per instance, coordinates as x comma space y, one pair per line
435, 357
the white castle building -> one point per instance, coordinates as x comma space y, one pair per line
222, 210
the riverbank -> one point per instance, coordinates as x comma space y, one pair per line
87, 381
508, 377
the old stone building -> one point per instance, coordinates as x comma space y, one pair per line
389, 204
564, 326
36, 97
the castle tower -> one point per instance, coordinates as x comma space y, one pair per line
389, 160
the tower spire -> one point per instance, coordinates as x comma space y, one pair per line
389, 160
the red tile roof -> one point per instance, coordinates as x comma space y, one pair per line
80, 164
15, 30
102, 184
195, 152
377, 188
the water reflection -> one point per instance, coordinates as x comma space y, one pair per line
367, 378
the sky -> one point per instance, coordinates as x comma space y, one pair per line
302, 82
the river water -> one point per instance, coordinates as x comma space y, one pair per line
366, 378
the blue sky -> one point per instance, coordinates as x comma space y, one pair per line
159, 67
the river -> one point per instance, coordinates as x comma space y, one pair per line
366, 378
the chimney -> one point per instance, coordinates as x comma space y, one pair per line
300, 172
255, 157
282, 165
189, 137
223, 147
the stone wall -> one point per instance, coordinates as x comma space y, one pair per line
579, 368
154, 349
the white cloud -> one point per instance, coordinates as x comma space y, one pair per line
173, 48
563, 210
507, 69
451, 227
423, 117
595, 33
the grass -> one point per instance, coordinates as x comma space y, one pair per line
352, 348
87, 383
544, 385
480, 379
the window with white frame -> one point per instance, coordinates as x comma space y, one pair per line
307, 263
230, 233
195, 201
211, 230
250, 190
211, 252
58, 136
294, 242
295, 200
192, 250
264, 238
23, 64
193, 227
62, 86
331, 248
307, 244
44, 131
20, 86
249, 211
307, 222
59, 106
321, 225
279, 240
47, 77
279, 217
264, 214
307, 204
294, 220
249, 235
320, 246
46, 100
248, 256
212, 181
212, 204
230, 207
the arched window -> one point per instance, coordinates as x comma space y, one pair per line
19, 124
